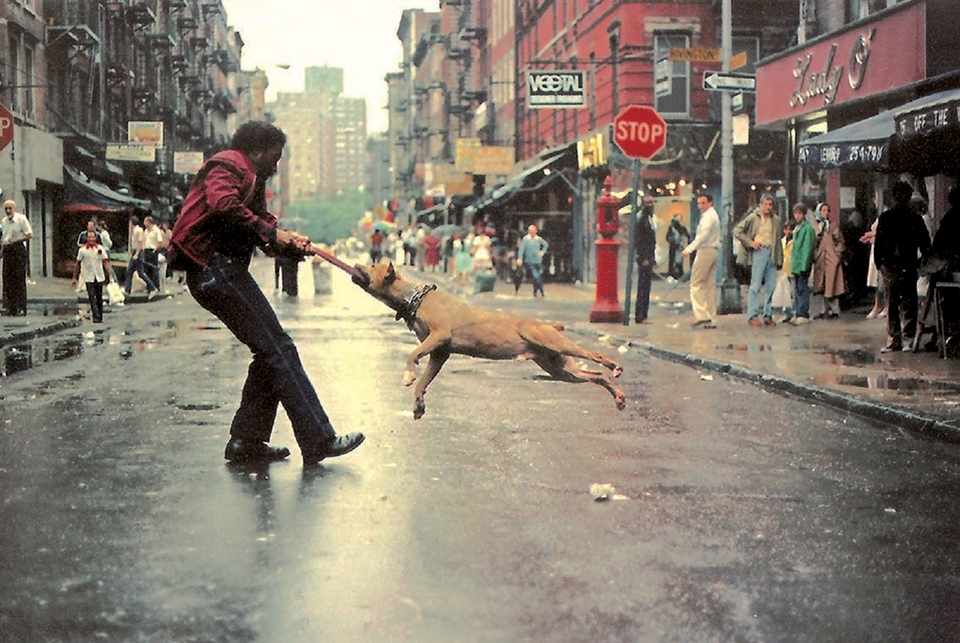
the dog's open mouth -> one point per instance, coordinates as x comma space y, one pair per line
360, 277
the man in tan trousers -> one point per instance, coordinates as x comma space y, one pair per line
703, 274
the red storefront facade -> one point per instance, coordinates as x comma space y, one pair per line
836, 96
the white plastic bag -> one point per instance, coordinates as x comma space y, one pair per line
114, 294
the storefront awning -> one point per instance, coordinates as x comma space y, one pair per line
533, 175
83, 194
862, 145
928, 135
931, 114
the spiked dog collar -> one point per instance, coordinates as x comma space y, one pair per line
411, 303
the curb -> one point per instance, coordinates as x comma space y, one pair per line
889, 414
38, 331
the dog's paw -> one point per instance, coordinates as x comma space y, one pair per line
409, 377
419, 409
618, 371
621, 401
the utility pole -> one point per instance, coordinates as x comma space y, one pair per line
730, 302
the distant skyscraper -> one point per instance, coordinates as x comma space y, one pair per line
323, 79
327, 135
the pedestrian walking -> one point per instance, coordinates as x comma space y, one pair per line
703, 273
15, 231
828, 265
901, 237
646, 257
533, 247
874, 280
135, 262
409, 241
224, 218
783, 294
376, 246
461, 257
93, 263
677, 236
759, 235
801, 261
431, 245
152, 244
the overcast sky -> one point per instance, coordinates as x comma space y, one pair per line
359, 36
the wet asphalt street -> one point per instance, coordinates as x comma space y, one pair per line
737, 514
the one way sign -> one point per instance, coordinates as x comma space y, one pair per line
726, 81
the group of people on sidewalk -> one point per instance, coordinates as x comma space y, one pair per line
803, 257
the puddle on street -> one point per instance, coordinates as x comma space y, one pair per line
23, 356
902, 385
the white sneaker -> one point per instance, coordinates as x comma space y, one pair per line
800, 321
151, 295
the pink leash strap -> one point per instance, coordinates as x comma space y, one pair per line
326, 256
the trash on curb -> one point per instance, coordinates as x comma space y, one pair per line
602, 492
623, 349
706, 378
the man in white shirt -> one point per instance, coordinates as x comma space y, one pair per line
152, 242
135, 262
703, 274
15, 231
94, 264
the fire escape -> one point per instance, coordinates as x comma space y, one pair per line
466, 95
73, 44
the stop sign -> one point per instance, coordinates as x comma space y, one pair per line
639, 131
6, 127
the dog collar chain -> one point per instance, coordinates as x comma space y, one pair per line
411, 303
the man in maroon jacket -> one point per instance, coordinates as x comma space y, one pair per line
224, 218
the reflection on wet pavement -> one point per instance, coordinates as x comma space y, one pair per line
25, 355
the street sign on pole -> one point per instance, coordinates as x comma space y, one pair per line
639, 131
6, 127
726, 81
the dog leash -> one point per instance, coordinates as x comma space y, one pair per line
326, 256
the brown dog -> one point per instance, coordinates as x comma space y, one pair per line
445, 324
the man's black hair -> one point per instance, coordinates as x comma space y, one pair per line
902, 191
707, 196
257, 136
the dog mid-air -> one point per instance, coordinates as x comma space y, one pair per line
445, 325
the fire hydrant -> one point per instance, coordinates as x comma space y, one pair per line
606, 307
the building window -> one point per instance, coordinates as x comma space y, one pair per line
671, 78
30, 82
15, 85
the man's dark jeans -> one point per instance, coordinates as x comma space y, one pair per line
137, 266
276, 375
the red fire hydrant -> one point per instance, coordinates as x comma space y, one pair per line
606, 307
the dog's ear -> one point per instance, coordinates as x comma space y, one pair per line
391, 275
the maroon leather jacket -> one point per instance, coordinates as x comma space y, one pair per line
224, 213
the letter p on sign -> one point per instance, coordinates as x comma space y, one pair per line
639, 131
6, 127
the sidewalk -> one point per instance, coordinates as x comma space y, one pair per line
834, 362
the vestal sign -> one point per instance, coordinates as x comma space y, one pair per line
555, 89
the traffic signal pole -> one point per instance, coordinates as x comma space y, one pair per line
632, 241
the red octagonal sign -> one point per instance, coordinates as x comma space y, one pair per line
639, 131
6, 127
